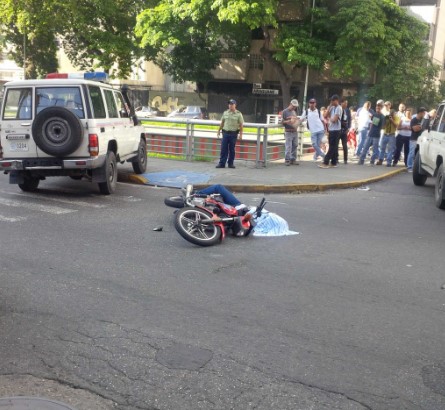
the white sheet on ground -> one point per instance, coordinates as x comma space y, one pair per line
271, 224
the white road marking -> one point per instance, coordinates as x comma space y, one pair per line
61, 200
129, 198
36, 207
12, 219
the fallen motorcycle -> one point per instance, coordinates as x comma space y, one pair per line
205, 220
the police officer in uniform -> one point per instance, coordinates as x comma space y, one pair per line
231, 126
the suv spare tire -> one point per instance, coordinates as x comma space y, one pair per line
57, 131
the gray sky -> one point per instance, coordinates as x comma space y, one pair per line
427, 12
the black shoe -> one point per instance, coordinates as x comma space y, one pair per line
232, 166
220, 166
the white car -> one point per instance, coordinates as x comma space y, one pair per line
68, 125
190, 112
430, 155
145, 112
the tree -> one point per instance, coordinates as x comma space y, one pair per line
203, 30
186, 39
32, 32
94, 33
380, 37
100, 33
362, 40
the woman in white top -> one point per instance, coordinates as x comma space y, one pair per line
363, 120
402, 139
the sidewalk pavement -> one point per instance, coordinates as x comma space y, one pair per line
275, 178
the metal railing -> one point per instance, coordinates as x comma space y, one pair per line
197, 140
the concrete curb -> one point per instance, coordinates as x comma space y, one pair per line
132, 178
302, 188
278, 189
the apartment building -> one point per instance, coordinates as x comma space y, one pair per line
437, 30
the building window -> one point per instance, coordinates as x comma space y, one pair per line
256, 61
234, 56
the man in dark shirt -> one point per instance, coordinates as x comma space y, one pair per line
376, 125
418, 124
345, 122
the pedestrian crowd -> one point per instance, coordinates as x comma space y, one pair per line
381, 133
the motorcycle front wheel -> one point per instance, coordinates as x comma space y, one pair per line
175, 201
190, 224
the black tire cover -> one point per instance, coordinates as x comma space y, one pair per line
57, 131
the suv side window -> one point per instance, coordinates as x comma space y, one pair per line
111, 104
97, 102
122, 107
18, 104
439, 121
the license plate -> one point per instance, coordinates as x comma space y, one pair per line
18, 146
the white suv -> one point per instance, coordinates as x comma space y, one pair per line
430, 155
62, 126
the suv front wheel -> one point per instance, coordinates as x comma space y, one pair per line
140, 163
439, 191
109, 186
418, 178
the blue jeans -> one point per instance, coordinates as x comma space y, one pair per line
228, 148
374, 142
290, 145
316, 138
227, 196
388, 145
412, 149
363, 135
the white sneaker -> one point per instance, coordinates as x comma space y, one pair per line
240, 206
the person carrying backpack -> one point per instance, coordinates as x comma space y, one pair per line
316, 126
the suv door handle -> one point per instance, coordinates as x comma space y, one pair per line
25, 124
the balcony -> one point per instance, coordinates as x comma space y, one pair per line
406, 3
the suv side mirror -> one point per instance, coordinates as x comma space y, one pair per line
124, 113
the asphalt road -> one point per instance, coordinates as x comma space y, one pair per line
347, 315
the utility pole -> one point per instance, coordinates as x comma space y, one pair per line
24, 55
303, 105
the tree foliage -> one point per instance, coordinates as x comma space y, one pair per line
368, 41
100, 33
365, 40
94, 33
30, 27
187, 38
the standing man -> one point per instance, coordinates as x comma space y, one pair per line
333, 115
401, 134
345, 127
388, 141
418, 124
363, 118
289, 119
377, 123
315, 125
231, 125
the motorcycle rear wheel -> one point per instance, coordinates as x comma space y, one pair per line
189, 224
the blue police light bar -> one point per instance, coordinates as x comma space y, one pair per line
96, 76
